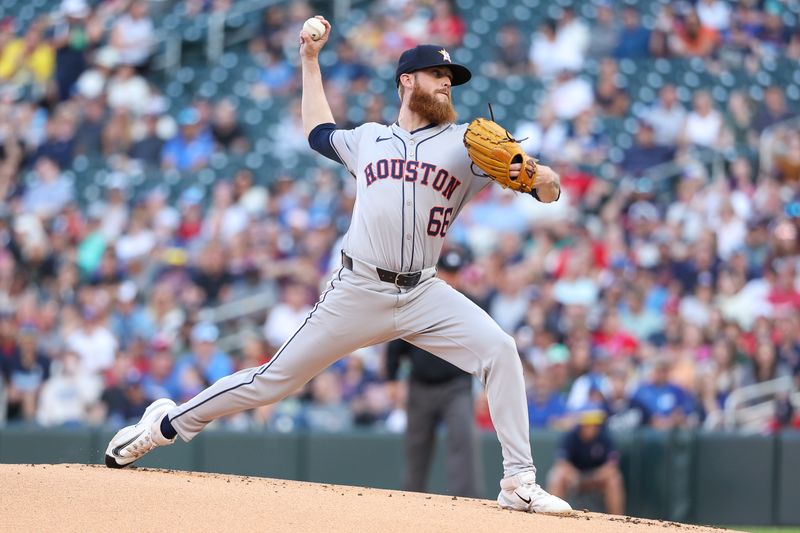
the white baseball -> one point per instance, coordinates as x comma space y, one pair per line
314, 27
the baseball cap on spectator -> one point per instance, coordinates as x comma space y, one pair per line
452, 260
75, 8
156, 105
133, 378
591, 416
90, 312
205, 332
126, 291
117, 180
159, 342
192, 196
643, 211
428, 56
107, 57
557, 354
27, 330
188, 117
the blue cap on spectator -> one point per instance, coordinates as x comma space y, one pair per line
133, 378
28, 330
192, 196
205, 332
428, 56
188, 116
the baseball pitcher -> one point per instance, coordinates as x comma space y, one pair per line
413, 178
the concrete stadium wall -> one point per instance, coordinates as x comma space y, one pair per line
683, 476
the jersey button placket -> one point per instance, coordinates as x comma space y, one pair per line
411, 156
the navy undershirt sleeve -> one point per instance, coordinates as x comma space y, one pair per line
320, 141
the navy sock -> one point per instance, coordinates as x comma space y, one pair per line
166, 428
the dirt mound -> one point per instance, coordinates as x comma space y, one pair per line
94, 498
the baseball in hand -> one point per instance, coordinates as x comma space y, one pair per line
314, 28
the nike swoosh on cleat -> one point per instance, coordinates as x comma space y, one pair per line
379, 139
528, 501
116, 450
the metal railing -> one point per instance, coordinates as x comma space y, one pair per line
240, 312
749, 409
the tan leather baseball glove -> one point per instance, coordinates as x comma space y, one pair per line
493, 150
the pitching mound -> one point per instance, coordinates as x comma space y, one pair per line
94, 498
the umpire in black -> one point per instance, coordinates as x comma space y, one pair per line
438, 392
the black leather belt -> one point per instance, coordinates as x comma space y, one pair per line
401, 279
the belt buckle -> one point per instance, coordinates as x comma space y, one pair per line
412, 277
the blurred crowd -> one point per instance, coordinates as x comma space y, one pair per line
654, 303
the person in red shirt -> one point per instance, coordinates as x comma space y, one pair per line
694, 39
446, 26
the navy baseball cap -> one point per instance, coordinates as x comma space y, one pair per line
427, 56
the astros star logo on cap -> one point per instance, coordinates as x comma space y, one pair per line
445, 55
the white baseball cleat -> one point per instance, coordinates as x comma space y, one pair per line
522, 493
132, 442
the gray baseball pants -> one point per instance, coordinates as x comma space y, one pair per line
356, 311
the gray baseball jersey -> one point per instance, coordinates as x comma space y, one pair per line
414, 183
411, 185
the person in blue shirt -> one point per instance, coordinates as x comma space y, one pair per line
204, 358
192, 147
634, 39
664, 405
546, 407
588, 462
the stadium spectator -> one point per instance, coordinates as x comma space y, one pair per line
544, 136
548, 56
73, 35
278, 76
704, 123
70, 396
664, 404
570, 95
228, 133
692, 38
327, 411
645, 153
547, 407
50, 191
588, 462
191, 148
149, 145
288, 315
348, 73
446, 26
127, 90
774, 109
634, 39
511, 55
133, 36
204, 362
605, 32
27, 371
160, 380
125, 400
29, 60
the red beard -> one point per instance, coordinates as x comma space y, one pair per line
430, 108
